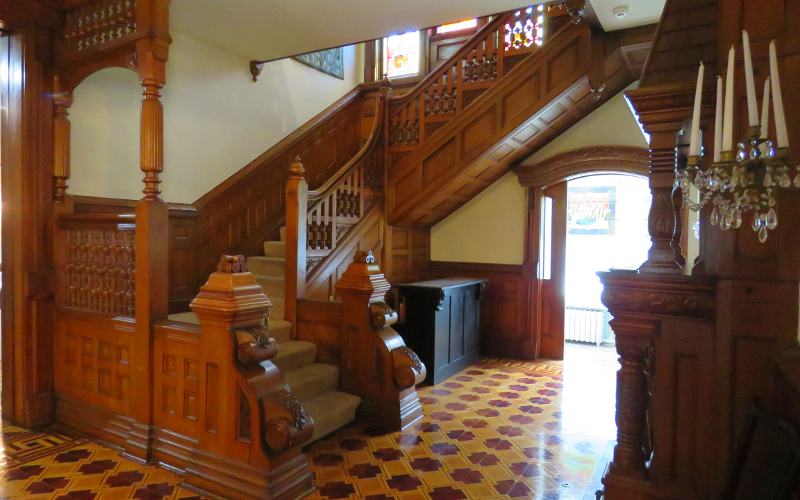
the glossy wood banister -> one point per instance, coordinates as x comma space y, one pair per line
76, 219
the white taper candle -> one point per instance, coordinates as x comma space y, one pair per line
777, 99
718, 121
727, 122
752, 107
694, 143
765, 111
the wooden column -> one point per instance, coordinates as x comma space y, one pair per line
296, 238
61, 144
633, 343
152, 251
662, 111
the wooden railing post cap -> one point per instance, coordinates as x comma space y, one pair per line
363, 279
296, 168
231, 295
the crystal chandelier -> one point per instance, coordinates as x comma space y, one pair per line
745, 182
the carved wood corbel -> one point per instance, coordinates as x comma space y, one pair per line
409, 370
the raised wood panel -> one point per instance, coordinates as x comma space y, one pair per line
320, 322
406, 253
543, 95
94, 359
176, 378
506, 310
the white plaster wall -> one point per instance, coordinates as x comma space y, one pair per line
216, 120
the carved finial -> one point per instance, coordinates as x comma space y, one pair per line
296, 168
255, 69
362, 257
232, 264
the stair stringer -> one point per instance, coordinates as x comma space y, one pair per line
541, 97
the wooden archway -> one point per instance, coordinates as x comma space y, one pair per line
583, 161
541, 176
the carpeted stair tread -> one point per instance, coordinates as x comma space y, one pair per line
185, 317
310, 380
294, 354
275, 249
330, 411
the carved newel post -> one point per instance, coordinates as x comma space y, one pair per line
250, 418
376, 364
296, 210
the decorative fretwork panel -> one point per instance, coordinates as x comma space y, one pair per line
448, 90
100, 269
340, 203
524, 29
94, 24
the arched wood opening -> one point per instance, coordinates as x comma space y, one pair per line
547, 176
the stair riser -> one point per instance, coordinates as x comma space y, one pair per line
274, 288
274, 268
313, 382
295, 360
275, 249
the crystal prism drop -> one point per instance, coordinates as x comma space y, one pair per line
772, 219
784, 180
725, 221
714, 217
797, 178
767, 179
756, 225
737, 218
762, 234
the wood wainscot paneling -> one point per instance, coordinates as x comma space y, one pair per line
506, 306
183, 283
407, 252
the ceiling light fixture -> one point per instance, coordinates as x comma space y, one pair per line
620, 11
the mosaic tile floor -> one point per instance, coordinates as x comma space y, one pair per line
496, 430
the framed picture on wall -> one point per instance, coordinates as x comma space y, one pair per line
591, 210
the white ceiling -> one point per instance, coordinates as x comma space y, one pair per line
271, 29
640, 12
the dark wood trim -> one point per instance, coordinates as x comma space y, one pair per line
583, 161
17, 13
511, 288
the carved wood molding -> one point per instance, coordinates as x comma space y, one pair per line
594, 159
658, 295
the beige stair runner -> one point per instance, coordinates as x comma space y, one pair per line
313, 383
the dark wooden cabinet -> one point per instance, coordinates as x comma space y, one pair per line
440, 321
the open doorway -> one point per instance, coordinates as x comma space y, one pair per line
606, 227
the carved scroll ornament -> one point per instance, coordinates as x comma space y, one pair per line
408, 368
254, 345
286, 423
381, 315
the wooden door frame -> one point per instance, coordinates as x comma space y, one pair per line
536, 177
27, 343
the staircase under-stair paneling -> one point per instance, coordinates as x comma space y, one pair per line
440, 159
314, 384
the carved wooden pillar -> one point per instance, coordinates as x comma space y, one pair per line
296, 211
375, 362
662, 111
61, 144
152, 248
633, 342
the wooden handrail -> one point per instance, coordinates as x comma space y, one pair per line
468, 46
280, 149
122, 221
334, 180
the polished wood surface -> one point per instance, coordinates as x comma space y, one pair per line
552, 274
698, 350
375, 363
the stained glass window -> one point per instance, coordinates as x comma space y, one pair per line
461, 25
401, 54
525, 28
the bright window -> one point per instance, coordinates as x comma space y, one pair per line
461, 25
401, 54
